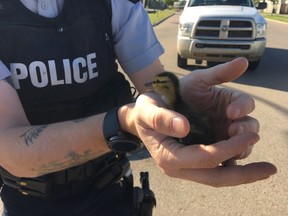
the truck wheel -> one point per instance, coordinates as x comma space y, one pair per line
181, 62
253, 65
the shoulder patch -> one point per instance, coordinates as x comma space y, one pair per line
134, 1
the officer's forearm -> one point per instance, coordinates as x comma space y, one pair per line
31, 151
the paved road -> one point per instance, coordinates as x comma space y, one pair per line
269, 86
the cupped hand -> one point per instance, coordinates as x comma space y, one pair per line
227, 109
211, 164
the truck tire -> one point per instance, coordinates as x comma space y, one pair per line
181, 62
253, 65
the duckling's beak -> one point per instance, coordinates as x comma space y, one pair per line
148, 84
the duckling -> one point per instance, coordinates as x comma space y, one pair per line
166, 84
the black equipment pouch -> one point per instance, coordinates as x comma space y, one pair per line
39, 187
113, 171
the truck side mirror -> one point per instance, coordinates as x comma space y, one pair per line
261, 5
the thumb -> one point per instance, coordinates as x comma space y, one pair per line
223, 73
159, 119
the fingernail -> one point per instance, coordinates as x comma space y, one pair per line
177, 124
240, 130
237, 113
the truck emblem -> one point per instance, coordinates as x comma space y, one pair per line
219, 36
224, 28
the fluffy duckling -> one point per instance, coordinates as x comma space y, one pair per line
166, 84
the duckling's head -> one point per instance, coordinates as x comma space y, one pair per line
166, 84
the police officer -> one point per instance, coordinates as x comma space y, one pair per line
66, 112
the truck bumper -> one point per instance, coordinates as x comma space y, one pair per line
220, 51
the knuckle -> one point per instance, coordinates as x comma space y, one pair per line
157, 118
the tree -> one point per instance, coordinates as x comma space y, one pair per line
256, 2
169, 2
275, 2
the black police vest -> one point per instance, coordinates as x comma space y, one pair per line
64, 67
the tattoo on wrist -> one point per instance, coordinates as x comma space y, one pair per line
32, 134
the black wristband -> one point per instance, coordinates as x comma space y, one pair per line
116, 139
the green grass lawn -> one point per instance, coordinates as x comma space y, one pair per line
278, 17
160, 15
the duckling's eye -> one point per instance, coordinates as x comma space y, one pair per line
160, 82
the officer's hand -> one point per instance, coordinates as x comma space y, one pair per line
156, 125
226, 108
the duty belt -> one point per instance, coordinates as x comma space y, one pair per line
104, 171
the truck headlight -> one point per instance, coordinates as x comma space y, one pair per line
185, 29
261, 29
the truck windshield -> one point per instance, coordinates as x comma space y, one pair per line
246, 3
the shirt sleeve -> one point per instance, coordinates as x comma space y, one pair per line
136, 45
4, 71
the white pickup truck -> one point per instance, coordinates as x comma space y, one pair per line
221, 30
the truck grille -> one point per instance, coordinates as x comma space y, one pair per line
224, 29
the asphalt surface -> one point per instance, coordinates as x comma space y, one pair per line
268, 85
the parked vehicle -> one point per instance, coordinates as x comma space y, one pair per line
221, 30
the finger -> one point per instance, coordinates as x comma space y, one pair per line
201, 156
244, 154
246, 124
161, 120
227, 149
229, 162
241, 105
227, 176
243, 125
224, 72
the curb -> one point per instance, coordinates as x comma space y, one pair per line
157, 23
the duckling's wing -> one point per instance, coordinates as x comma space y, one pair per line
201, 129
